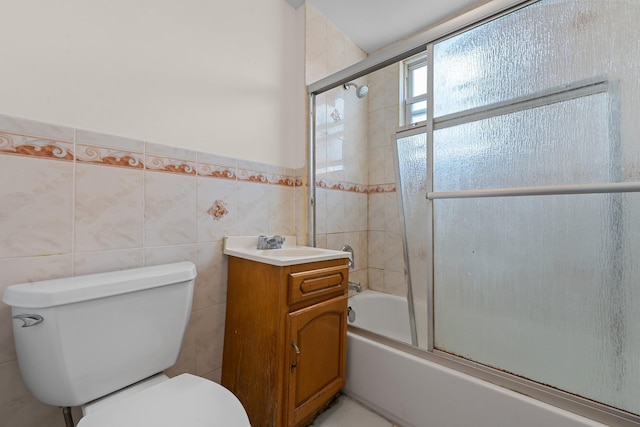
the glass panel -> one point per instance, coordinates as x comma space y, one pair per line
542, 46
554, 144
419, 81
418, 112
546, 287
411, 167
543, 287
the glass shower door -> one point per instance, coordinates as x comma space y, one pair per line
535, 243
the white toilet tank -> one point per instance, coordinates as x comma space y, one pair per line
100, 332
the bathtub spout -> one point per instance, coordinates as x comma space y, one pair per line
356, 286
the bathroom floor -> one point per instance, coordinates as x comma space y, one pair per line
346, 412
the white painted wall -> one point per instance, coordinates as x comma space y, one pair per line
218, 76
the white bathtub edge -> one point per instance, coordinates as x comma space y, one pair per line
414, 392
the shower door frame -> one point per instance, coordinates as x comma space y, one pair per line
424, 43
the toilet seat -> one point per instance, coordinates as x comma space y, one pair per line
185, 400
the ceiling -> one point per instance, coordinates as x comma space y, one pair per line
373, 24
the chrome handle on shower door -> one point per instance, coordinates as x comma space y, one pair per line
297, 350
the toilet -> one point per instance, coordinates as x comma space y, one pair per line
102, 341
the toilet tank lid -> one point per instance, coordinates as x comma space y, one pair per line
55, 292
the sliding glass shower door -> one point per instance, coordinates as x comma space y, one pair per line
536, 249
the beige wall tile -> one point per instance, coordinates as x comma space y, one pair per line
211, 283
209, 324
216, 195
168, 254
35, 206
22, 270
109, 208
103, 261
18, 407
169, 209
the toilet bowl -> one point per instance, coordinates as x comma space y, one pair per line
102, 341
185, 400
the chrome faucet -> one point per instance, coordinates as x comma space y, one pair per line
355, 286
274, 242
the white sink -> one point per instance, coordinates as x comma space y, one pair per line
290, 254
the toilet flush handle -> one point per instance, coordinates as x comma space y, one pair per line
29, 319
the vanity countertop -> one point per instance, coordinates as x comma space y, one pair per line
289, 254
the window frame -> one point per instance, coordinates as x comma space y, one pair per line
409, 100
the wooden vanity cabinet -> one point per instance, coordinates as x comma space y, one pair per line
285, 338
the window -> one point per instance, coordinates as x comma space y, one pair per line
415, 100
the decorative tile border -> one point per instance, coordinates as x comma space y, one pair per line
108, 157
31, 146
382, 188
215, 171
166, 164
41, 140
355, 188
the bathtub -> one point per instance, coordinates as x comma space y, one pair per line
414, 392
383, 314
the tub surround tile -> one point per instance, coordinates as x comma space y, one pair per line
316, 39
36, 204
335, 212
375, 276
394, 283
376, 212
376, 251
385, 87
391, 213
376, 158
321, 211
335, 241
393, 252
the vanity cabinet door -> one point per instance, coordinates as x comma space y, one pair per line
316, 341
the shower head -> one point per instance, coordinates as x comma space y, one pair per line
361, 91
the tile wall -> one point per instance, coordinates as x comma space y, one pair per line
341, 140
355, 177
386, 259
75, 202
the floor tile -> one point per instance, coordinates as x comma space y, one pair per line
346, 412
